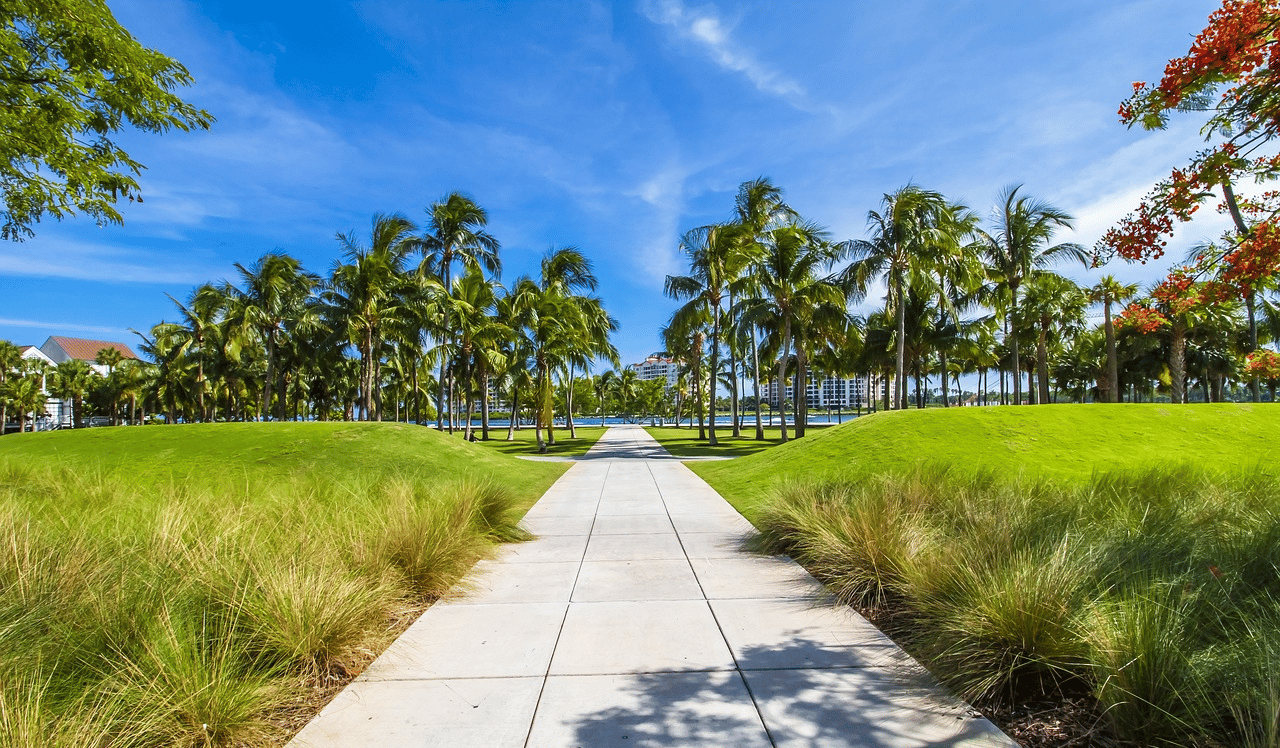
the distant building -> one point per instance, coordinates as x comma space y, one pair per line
58, 349
834, 392
657, 366
57, 413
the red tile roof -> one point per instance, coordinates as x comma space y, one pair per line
87, 350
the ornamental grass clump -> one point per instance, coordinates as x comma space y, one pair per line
188, 613
1155, 591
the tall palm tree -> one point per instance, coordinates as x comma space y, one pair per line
797, 301
604, 384
201, 315
365, 294
27, 396
904, 233
713, 262
1053, 303
550, 314
1020, 244
10, 360
70, 381
1110, 291
274, 289
455, 234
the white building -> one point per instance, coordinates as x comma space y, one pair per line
657, 366
834, 392
58, 349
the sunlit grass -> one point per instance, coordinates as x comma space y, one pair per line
1158, 590
141, 606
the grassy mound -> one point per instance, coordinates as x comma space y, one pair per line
215, 453
192, 585
1061, 442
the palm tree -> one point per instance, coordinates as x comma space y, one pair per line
110, 358
10, 360
604, 384
275, 288
1023, 229
1054, 303
550, 312
27, 396
713, 262
367, 292
903, 234
455, 234
796, 302
1111, 291
71, 380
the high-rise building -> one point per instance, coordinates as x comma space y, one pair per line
657, 366
828, 391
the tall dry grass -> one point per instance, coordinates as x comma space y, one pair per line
134, 616
1159, 590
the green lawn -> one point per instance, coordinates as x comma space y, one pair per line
341, 452
1065, 442
525, 443
684, 442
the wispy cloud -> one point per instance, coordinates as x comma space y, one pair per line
704, 28
51, 257
61, 326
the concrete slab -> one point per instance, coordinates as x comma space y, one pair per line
615, 581
468, 713
497, 582
798, 634
729, 521
652, 710
758, 577
563, 508
473, 641
563, 548
631, 507
714, 544
632, 524
650, 547
648, 637
543, 526
863, 708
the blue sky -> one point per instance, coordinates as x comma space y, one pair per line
611, 126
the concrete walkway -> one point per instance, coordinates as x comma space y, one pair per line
636, 619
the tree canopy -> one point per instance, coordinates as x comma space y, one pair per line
71, 77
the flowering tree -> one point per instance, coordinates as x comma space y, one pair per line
1265, 366
1232, 71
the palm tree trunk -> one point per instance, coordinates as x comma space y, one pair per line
782, 375
568, 406
1042, 361
942, 362
1013, 337
801, 390
440, 386
1178, 362
1255, 389
271, 370
515, 413
1112, 395
484, 407
715, 368
755, 379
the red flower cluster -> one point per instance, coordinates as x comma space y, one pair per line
1264, 365
1257, 257
1141, 318
1179, 292
1232, 46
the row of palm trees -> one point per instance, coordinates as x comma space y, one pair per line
403, 317
960, 298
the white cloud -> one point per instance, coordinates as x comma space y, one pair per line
704, 28
62, 326
48, 256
